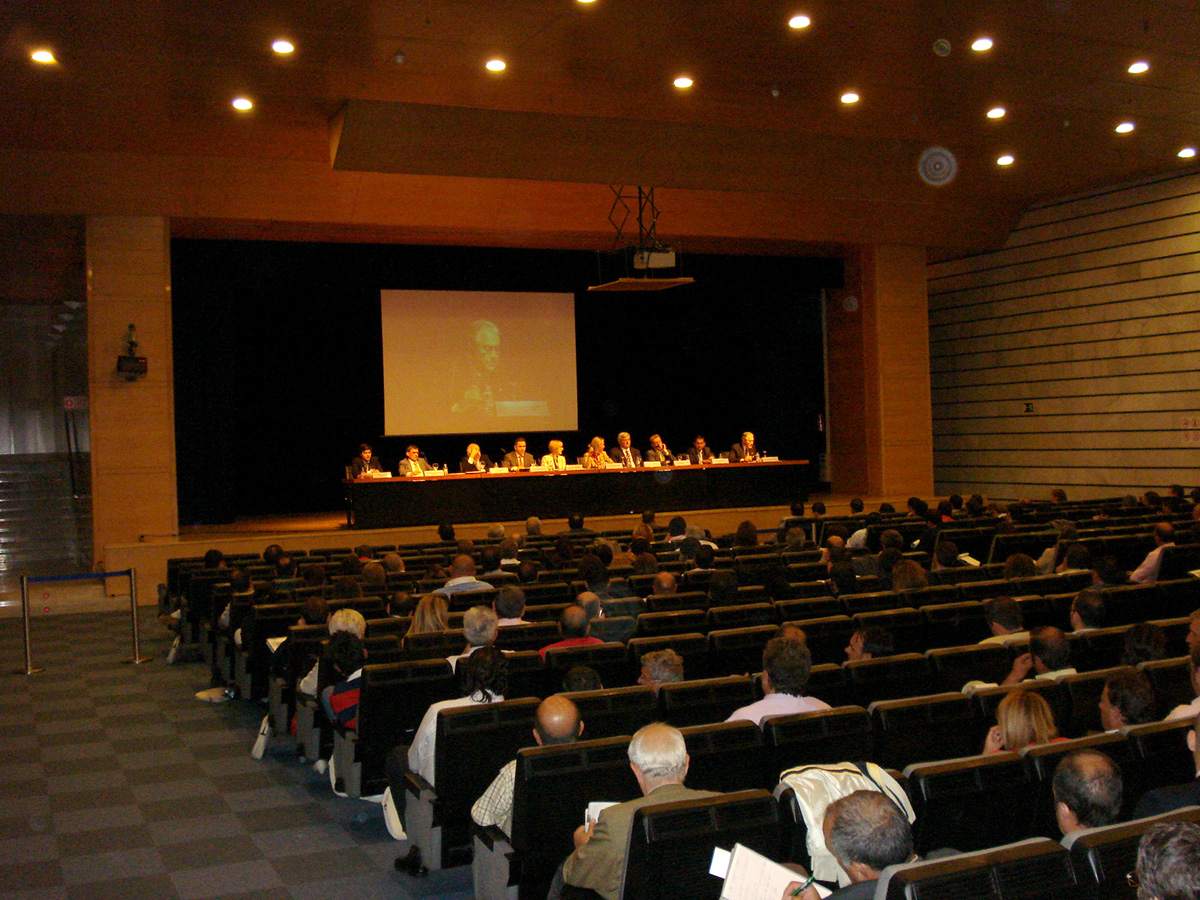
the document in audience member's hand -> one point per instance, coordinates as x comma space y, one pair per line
592, 813
751, 876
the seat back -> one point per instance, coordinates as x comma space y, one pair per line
813, 738
608, 659
692, 648
954, 624
1103, 856
744, 616
1172, 681
953, 667
678, 622
533, 636
615, 711
889, 677
1162, 750
807, 608
671, 844
827, 637
738, 651
1044, 757
727, 756
1128, 604
970, 803
704, 701
906, 626
526, 674
432, 644
680, 600
924, 729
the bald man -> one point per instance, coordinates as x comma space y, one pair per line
574, 625
659, 760
558, 722
664, 584
1087, 791
462, 577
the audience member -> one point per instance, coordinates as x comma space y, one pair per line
1018, 565
1144, 642
558, 722
870, 643
659, 760
661, 667
1168, 862
786, 665
344, 620
1192, 709
462, 577
907, 575
574, 626
1049, 656
1087, 791
1005, 620
664, 584
1087, 611
479, 628
510, 606
1127, 699
581, 678
1023, 718
1147, 572
344, 656
432, 614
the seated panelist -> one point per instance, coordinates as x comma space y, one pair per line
474, 461
414, 463
596, 458
699, 452
658, 451
555, 459
745, 450
520, 457
626, 454
363, 463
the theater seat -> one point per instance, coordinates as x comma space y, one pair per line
744, 616
678, 622
827, 736
608, 659
1162, 751
1103, 856
1044, 757
615, 711
889, 677
954, 624
727, 756
704, 701
1084, 690
922, 729
692, 648
953, 667
738, 651
1172, 680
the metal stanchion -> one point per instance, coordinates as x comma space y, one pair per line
137, 659
29, 669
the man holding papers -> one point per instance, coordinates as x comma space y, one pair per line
659, 760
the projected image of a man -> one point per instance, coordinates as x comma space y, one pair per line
481, 377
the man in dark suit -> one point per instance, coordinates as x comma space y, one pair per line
627, 456
746, 450
1167, 799
658, 451
364, 462
699, 453
520, 457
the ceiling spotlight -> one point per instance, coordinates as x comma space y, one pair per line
283, 47
1124, 128
799, 21
849, 97
1006, 160
1138, 67
45, 57
982, 44
1186, 153
996, 112
242, 104
587, 1
496, 65
683, 82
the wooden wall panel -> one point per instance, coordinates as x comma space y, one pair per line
1072, 356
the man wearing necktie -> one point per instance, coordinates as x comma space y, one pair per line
414, 462
519, 458
629, 457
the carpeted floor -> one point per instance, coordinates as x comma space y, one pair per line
115, 782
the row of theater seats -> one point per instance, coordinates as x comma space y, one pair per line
969, 803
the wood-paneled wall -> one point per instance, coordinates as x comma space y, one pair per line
1072, 356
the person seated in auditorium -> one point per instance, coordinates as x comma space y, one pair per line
1168, 862
574, 626
413, 463
658, 757
489, 562
746, 535
658, 451
1018, 565
593, 572
350, 620
519, 457
908, 576
945, 556
557, 723
364, 463
373, 579
1076, 558
745, 450
885, 565
1192, 709
1087, 611
1023, 719
786, 665
1087, 789
664, 584
676, 529
432, 614
507, 549
704, 560
858, 540
509, 606
474, 461
870, 643
1176, 796
1144, 642
843, 577
595, 457
581, 678
661, 667
1049, 657
480, 624
1147, 572
462, 577
344, 656
484, 679
1127, 699
699, 453
575, 527
866, 832
626, 455
527, 571
644, 562
554, 459
835, 539
1005, 621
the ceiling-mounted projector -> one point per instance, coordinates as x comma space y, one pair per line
654, 259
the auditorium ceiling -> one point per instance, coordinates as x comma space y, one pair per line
384, 124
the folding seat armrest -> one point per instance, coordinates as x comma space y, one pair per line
419, 787
349, 770
492, 837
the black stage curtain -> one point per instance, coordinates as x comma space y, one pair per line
278, 360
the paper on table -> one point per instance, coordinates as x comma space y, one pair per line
751, 876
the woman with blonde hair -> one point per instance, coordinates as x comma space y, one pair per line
596, 458
1023, 718
432, 614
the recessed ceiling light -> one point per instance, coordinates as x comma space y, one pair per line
1139, 67
849, 97
1186, 153
996, 112
982, 44
45, 57
683, 82
242, 104
1006, 160
587, 1
799, 21
1124, 128
496, 65
283, 47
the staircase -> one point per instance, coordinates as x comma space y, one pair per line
45, 525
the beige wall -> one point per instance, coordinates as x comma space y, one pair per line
132, 423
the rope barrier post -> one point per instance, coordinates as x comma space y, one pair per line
137, 659
29, 669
